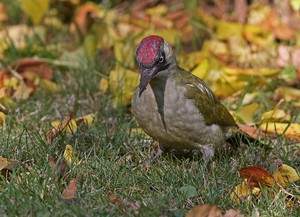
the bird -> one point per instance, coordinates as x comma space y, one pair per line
176, 108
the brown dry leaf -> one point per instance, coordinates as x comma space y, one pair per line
23, 92
83, 16
204, 211
253, 132
113, 199
58, 129
33, 65
285, 175
256, 175
60, 167
290, 131
7, 167
3, 14
273, 24
69, 193
3, 163
2, 92
232, 213
244, 191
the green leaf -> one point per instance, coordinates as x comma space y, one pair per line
188, 191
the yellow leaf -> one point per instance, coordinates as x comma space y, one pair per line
257, 35
226, 30
11, 82
87, 119
243, 192
2, 119
160, 9
3, 163
35, 9
286, 175
215, 46
202, 69
122, 83
124, 53
103, 85
71, 128
50, 86
251, 72
276, 115
139, 131
190, 60
287, 93
69, 155
291, 131
246, 113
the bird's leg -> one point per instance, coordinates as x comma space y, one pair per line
208, 152
159, 152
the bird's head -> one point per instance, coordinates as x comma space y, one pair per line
153, 55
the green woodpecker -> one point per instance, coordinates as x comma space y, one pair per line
175, 107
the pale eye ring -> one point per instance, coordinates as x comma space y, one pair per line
161, 59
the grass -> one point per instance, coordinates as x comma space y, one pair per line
113, 159
113, 163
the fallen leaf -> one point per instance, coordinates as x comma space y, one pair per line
22, 92
257, 175
276, 115
49, 86
60, 167
122, 83
246, 113
86, 119
59, 128
3, 163
8, 166
204, 211
285, 175
69, 192
69, 155
17, 36
35, 10
291, 131
244, 191
252, 131
232, 213
3, 13
2, 119
188, 191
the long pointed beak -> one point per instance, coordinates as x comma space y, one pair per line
146, 76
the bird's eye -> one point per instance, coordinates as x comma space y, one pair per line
161, 59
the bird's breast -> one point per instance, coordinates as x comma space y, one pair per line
168, 116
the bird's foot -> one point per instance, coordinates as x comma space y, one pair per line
157, 155
208, 152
